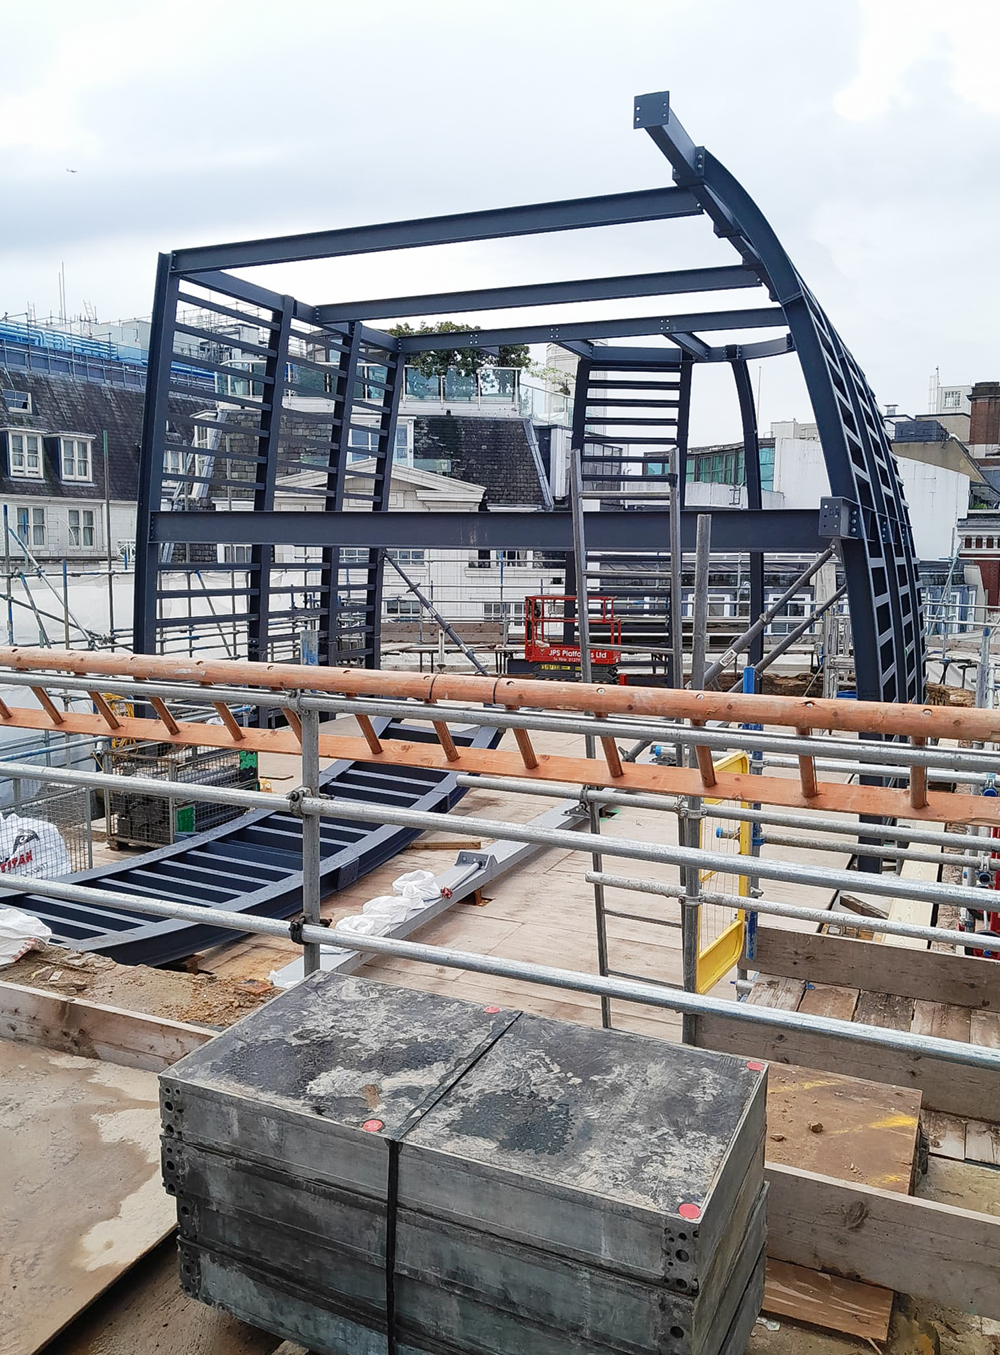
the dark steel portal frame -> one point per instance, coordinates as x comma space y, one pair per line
330, 350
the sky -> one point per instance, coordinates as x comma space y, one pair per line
866, 130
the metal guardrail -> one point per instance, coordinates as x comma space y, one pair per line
309, 810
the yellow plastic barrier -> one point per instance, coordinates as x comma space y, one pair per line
720, 929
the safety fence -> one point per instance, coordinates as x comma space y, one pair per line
302, 695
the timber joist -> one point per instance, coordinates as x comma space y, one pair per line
800, 716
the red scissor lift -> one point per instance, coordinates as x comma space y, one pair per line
547, 655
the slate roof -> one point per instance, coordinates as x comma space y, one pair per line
64, 405
489, 452
919, 430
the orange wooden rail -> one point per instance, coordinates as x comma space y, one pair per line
802, 715
867, 717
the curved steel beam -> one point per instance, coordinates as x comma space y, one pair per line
880, 563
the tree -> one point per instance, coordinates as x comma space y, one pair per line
466, 361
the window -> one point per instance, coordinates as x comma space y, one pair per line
503, 611
403, 451
177, 462
767, 468
408, 557
720, 604
402, 607
26, 455
363, 443
355, 555
75, 454
18, 402
508, 559
951, 399
236, 555
81, 527
31, 526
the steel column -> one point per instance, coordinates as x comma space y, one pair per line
154, 422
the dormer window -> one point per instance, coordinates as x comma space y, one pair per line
75, 459
25, 455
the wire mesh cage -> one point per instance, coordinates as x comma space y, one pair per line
47, 834
149, 821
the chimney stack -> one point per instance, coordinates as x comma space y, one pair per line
984, 430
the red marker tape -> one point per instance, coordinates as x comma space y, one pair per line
755, 1066
372, 1126
491, 1010
689, 1211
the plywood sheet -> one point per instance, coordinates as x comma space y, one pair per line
146, 1313
827, 1301
862, 1132
82, 1198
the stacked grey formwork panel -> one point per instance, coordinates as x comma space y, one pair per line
375, 1171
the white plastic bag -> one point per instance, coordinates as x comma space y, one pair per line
391, 908
32, 847
19, 933
365, 925
419, 882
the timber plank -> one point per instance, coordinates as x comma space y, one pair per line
827, 1301
784, 994
94, 1030
945, 1134
902, 909
82, 1198
985, 1026
945, 1086
936, 1251
961, 979
828, 999
942, 1020
982, 1143
843, 1126
891, 1011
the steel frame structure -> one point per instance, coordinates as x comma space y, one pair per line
288, 349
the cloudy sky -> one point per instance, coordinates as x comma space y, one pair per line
867, 130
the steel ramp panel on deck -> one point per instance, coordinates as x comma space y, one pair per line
251, 864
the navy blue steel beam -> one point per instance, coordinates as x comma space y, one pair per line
252, 292
692, 346
683, 426
750, 352
755, 494
768, 317
262, 556
614, 209
793, 530
542, 294
613, 358
154, 426
384, 463
336, 479
242, 290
